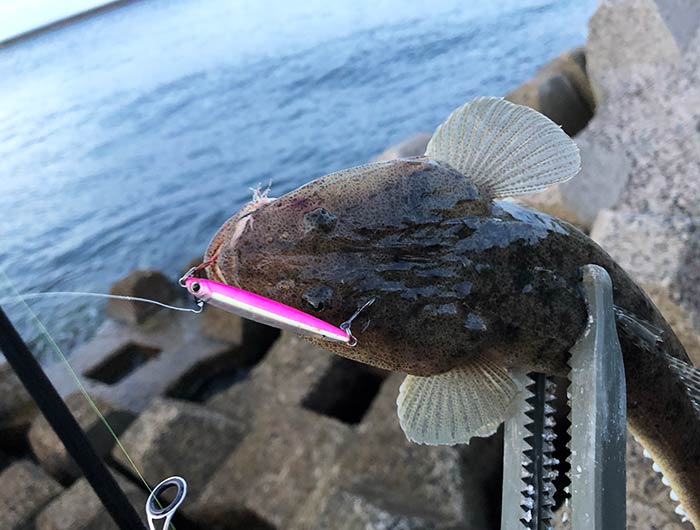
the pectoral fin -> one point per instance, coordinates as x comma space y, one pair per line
453, 407
503, 148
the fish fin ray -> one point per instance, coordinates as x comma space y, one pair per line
451, 408
690, 377
504, 148
643, 330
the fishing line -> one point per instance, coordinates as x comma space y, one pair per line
18, 297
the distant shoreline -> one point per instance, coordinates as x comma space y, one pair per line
63, 22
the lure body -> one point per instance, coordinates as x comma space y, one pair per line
264, 310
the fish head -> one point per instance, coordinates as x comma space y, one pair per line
370, 232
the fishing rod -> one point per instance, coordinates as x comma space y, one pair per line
66, 427
231, 299
244, 303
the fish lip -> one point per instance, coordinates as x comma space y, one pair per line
229, 234
212, 270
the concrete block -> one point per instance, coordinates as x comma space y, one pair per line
285, 376
26, 489
79, 508
350, 511
274, 469
297, 373
52, 454
629, 46
17, 409
173, 437
412, 146
682, 18
149, 284
600, 184
130, 365
381, 476
660, 253
560, 90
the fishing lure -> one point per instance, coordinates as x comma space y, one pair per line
265, 310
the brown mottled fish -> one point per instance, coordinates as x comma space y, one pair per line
467, 285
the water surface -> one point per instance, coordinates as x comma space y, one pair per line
126, 139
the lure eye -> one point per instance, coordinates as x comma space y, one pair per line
196, 287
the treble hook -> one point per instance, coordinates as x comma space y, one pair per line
345, 326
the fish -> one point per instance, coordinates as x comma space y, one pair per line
468, 284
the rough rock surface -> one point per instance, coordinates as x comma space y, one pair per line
273, 471
682, 18
130, 365
560, 90
661, 252
643, 61
382, 479
79, 508
302, 404
143, 284
413, 146
24, 490
345, 510
599, 185
629, 45
16, 414
648, 92
284, 377
173, 437
648, 89
53, 455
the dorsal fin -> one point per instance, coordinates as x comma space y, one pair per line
504, 148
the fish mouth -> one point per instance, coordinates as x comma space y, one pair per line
213, 271
215, 248
222, 248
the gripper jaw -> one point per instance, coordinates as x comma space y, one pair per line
598, 430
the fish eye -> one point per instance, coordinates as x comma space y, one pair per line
196, 287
